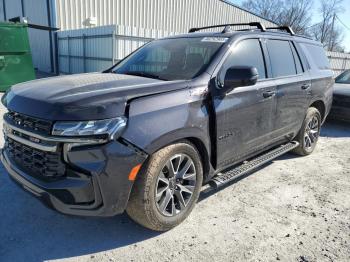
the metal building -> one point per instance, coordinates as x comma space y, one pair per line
119, 26
169, 15
162, 15
39, 12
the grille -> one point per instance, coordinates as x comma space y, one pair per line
29, 123
37, 163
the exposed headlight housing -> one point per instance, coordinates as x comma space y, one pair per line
112, 127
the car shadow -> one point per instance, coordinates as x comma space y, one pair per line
31, 232
335, 128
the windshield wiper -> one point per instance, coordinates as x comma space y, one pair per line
144, 74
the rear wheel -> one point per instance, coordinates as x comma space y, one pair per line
168, 187
309, 132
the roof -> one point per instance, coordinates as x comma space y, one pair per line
240, 32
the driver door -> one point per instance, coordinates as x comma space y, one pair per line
245, 115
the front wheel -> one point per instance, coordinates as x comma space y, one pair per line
167, 188
309, 132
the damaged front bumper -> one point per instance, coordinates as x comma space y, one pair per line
93, 177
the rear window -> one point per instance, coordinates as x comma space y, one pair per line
317, 55
281, 57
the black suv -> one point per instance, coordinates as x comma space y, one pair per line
146, 134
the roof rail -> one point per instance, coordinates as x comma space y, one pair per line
227, 27
284, 27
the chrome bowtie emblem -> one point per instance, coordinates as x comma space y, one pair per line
34, 139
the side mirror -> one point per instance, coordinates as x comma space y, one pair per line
237, 76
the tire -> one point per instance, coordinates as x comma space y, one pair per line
309, 132
153, 186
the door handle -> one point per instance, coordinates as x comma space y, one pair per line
268, 94
305, 86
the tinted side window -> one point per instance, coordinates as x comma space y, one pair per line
281, 57
246, 53
297, 60
317, 55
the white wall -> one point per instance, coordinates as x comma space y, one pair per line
170, 15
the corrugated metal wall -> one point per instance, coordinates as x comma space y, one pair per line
36, 12
2, 18
78, 52
169, 15
13, 8
339, 61
96, 49
137, 21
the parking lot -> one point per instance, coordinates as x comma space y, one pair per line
294, 209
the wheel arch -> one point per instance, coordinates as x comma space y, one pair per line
321, 107
192, 135
204, 155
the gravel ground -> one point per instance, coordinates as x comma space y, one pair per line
294, 209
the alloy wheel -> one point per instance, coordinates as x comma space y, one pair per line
175, 185
311, 133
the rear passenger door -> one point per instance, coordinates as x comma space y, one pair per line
292, 87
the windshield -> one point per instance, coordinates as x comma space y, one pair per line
171, 59
344, 78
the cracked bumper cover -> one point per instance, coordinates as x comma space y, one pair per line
96, 184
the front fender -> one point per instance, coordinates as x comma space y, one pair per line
157, 121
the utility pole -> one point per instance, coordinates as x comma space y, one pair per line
331, 40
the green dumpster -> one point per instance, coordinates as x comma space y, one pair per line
16, 64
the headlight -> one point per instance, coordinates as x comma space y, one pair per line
112, 127
4, 97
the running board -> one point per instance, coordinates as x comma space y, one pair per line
248, 166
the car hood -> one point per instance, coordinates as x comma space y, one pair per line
84, 96
342, 89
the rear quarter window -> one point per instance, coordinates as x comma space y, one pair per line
316, 56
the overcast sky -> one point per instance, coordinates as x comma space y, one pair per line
344, 17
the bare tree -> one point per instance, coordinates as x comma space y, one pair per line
295, 14
298, 13
266, 8
327, 31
